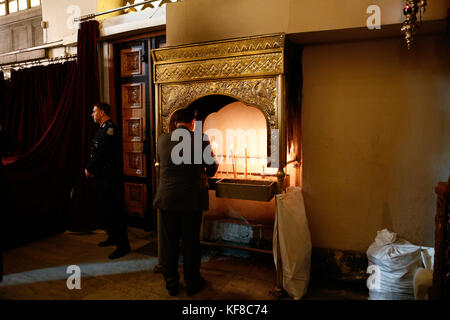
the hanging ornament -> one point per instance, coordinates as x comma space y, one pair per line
407, 10
409, 26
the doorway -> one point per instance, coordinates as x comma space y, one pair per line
135, 117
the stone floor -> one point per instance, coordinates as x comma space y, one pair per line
38, 271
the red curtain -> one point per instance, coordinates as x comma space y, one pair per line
32, 100
42, 181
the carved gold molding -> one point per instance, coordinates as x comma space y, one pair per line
260, 93
220, 49
256, 65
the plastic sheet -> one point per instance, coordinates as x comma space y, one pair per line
393, 266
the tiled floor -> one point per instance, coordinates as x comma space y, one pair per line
39, 271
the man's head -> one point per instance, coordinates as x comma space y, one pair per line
185, 117
101, 112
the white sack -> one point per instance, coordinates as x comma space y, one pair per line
385, 237
428, 258
423, 278
394, 266
292, 231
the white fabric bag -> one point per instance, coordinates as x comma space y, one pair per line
292, 231
394, 262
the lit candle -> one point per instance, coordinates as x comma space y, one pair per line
235, 165
262, 167
232, 160
214, 149
245, 150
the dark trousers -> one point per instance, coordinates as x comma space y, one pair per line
1, 264
5, 210
173, 227
113, 216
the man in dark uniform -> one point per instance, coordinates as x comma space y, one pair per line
103, 168
181, 197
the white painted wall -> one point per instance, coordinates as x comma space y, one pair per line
18, 31
376, 139
60, 14
193, 21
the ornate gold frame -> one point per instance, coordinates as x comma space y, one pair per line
250, 69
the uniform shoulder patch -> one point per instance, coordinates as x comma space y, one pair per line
110, 131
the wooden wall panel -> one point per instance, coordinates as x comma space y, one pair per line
131, 62
135, 198
134, 161
133, 96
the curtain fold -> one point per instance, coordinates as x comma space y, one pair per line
43, 179
3, 89
31, 101
83, 211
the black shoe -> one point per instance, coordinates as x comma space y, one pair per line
172, 286
120, 252
196, 288
108, 242
173, 291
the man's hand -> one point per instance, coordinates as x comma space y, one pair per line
88, 174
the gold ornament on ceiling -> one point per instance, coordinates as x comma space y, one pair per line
152, 4
410, 26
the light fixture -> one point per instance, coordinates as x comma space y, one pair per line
410, 26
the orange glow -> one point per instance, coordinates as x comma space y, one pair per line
244, 130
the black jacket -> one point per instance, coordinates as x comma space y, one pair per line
183, 187
104, 152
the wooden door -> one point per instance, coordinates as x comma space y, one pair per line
135, 115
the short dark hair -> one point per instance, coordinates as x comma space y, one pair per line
105, 107
172, 121
184, 115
